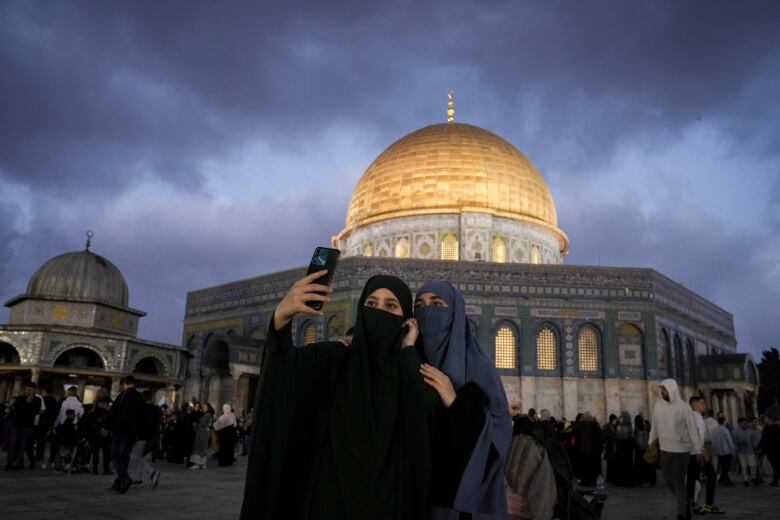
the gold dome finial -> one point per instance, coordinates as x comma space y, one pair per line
450, 107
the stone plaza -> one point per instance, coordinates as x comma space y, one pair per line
216, 493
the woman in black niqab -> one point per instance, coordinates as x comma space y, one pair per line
344, 432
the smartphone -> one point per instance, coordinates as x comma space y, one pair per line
323, 258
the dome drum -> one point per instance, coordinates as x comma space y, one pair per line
472, 235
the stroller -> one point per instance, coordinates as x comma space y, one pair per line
572, 503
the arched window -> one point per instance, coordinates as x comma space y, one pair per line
691, 351
588, 349
449, 247
666, 352
368, 250
402, 248
8, 356
309, 334
678, 360
499, 250
79, 357
505, 347
536, 255
335, 326
546, 349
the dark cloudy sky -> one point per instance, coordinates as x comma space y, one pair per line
209, 141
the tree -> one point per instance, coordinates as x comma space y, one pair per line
769, 372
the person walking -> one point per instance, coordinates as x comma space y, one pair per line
125, 420
610, 447
226, 427
723, 448
23, 412
770, 446
139, 468
755, 434
743, 447
674, 428
588, 443
697, 464
71, 402
46, 425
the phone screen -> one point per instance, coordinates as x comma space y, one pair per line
323, 258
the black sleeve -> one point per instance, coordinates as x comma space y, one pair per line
459, 428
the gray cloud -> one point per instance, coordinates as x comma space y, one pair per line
112, 111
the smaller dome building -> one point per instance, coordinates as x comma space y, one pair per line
74, 327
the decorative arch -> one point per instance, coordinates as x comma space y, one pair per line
85, 357
257, 333
192, 343
631, 348
216, 355
589, 349
163, 368
505, 343
9, 354
548, 347
105, 357
307, 333
690, 352
335, 327
667, 351
679, 368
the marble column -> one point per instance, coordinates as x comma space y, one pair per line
35, 374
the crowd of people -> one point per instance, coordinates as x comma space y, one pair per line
124, 436
406, 418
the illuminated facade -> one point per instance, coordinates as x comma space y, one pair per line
459, 203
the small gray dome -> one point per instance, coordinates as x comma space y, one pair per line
82, 275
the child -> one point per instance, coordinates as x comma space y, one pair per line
66, 438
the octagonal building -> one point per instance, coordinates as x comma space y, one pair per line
456, 202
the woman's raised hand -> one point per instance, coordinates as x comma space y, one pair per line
294, 302
440, 382
412, 330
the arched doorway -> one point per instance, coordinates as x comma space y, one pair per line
8, 354
78, 366
217, 385
80, 358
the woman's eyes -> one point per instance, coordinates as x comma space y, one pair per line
370, 303
391, 306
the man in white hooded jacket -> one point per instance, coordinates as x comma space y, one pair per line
674, 428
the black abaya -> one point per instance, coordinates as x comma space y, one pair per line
343, 432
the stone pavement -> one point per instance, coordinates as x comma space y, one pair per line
215, 494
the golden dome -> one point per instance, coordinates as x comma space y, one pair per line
452, 168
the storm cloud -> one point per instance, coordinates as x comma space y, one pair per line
205, 142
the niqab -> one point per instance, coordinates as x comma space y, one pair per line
449, 344
343, 432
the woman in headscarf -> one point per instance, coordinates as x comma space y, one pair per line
645, 473
624, 450
474, 427
200, 448
226, 427
342, 432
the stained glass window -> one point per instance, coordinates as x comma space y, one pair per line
449, 247
505, 347
310, 334
546, 349
588, 347
536, 255
499, 249
402, 248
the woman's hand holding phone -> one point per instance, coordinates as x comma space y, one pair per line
294, 302
411, 331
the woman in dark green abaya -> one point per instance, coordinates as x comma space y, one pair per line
343, 432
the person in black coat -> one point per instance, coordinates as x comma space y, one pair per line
126, 419
24, 409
